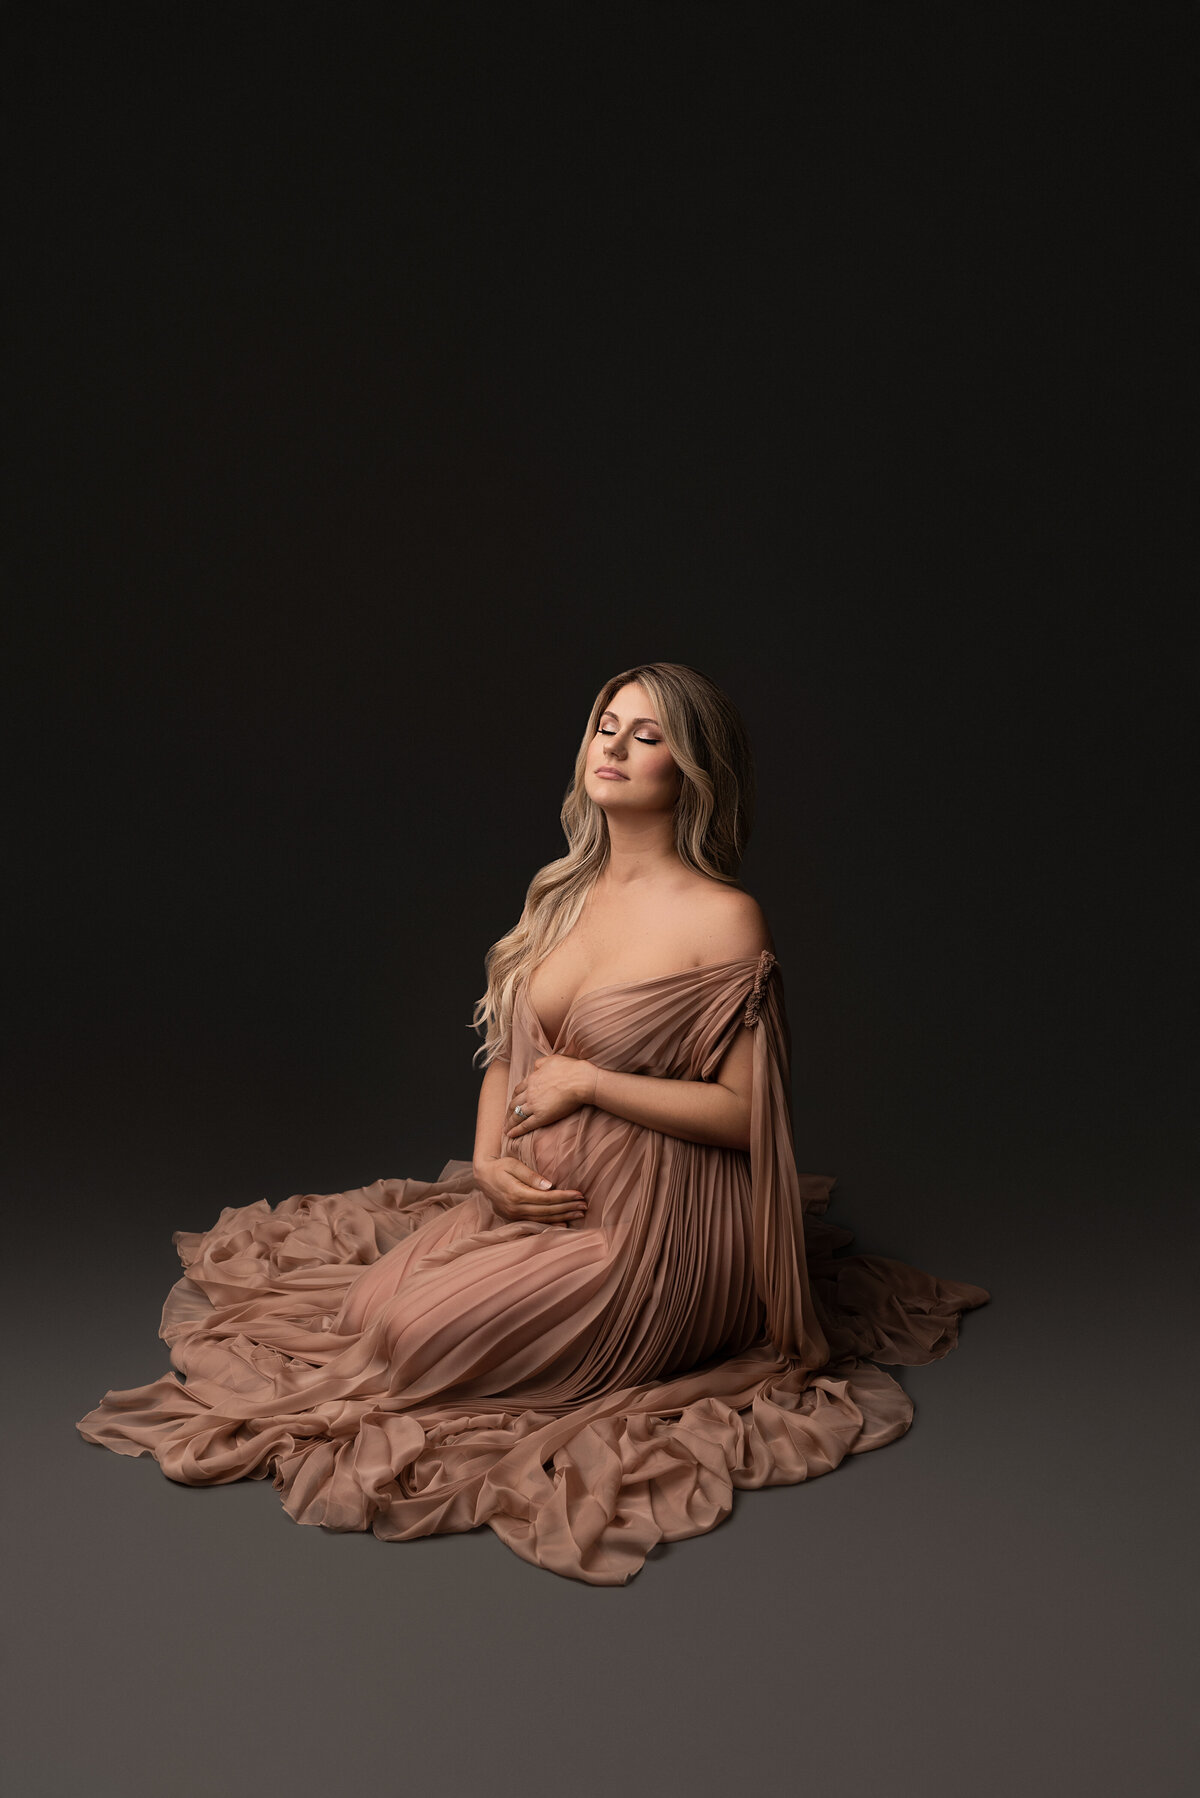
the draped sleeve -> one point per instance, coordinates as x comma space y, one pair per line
793, 1321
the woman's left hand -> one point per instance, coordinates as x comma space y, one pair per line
555, 1086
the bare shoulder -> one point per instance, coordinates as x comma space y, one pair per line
728, 924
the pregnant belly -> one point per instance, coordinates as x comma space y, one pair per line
592, 1152
553, 1150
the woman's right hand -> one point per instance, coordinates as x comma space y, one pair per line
520, 1192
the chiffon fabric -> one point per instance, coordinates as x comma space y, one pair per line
399, 1358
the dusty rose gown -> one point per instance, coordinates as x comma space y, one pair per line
400, 1359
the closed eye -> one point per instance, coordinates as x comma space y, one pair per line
612, 733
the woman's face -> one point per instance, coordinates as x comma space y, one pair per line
629, 767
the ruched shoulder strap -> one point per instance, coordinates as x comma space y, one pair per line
766, 962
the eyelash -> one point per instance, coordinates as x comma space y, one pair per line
649, 741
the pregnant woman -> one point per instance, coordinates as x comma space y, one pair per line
628, 1303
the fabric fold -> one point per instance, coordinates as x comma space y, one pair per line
780, 1261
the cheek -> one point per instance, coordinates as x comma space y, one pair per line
662, 772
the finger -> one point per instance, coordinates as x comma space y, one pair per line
551, 1201
558, 1196
527, 1176
530, 1177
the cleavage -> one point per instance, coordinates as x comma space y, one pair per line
586, 983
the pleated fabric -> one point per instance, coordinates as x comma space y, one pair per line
399, 1358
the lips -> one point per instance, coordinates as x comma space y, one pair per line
610, 774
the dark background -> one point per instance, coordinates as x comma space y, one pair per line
385, 378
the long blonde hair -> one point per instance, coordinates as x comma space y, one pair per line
713, 815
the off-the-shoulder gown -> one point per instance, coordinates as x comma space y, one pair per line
399, 1358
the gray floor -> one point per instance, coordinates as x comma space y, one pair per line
991, 1605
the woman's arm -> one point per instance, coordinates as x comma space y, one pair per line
489, 1117
709, 1111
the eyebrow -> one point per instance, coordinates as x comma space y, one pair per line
653, 721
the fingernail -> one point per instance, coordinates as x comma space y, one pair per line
543, 1182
